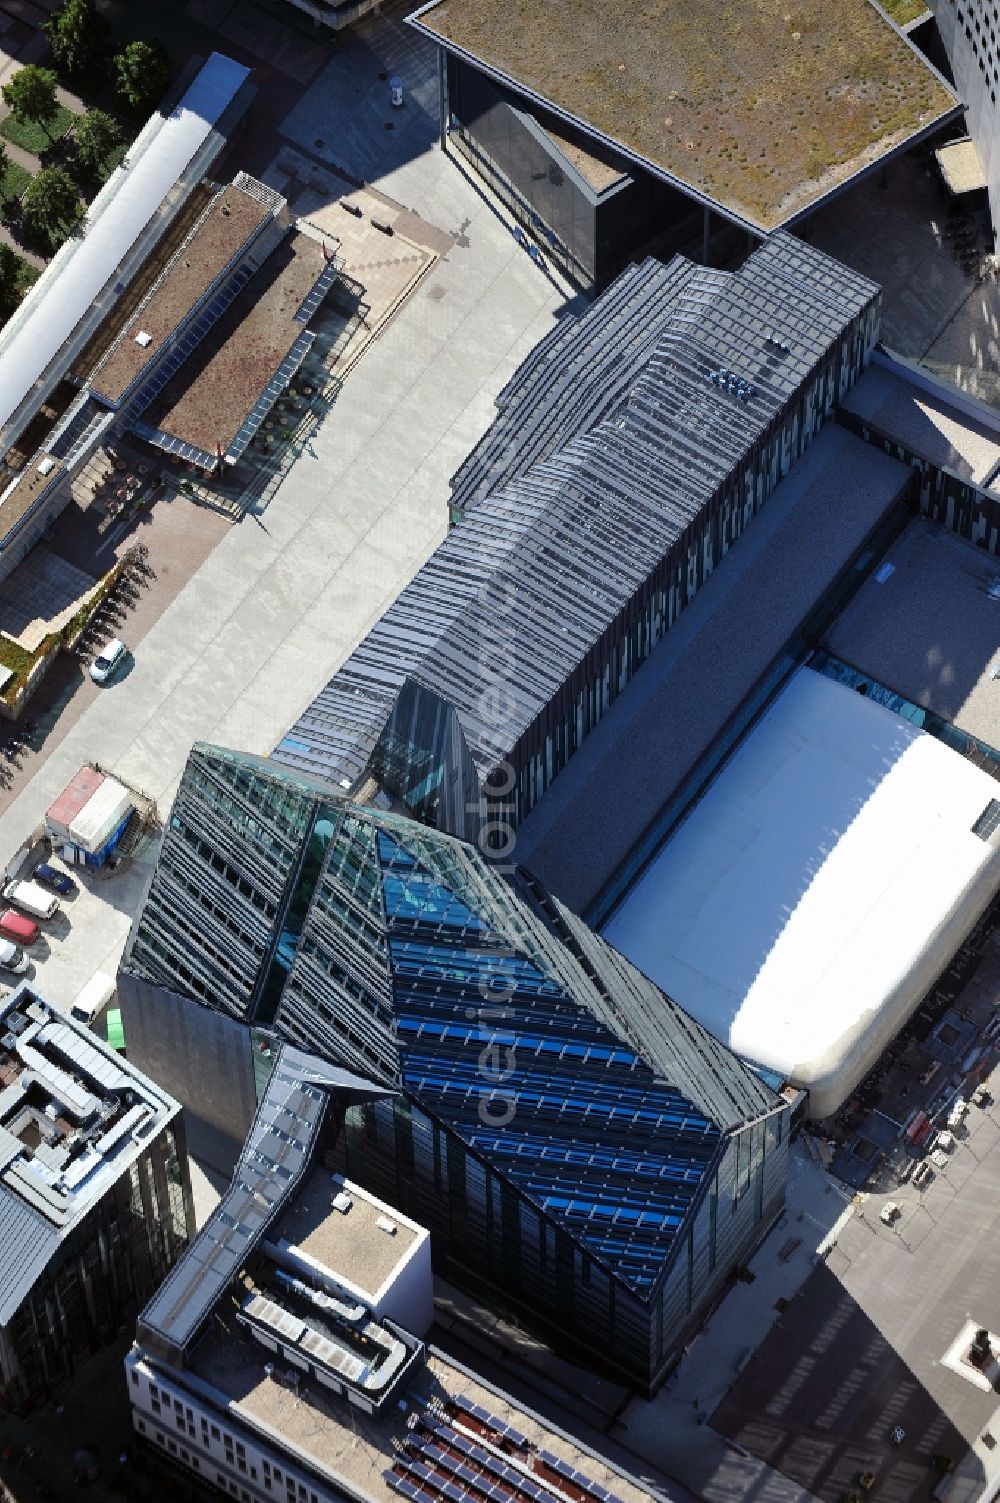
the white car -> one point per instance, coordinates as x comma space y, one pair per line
108, 661
13, 958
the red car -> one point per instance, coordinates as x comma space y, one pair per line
24, 931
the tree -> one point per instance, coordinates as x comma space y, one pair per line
96, 137
142, 72
10, 265
50, 204
31, 94
80, 40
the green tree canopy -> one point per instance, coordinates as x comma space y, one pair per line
31, 94
10, 265
50, 204
142, 72
96, 137
80, 39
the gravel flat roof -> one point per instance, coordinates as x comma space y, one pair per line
17, 501
208, 400
931, 631
761, 106
227, 226
357, 1449
351, 1244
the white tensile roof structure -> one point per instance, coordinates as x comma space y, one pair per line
810, 899
116, 219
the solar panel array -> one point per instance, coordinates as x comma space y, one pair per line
444, 1457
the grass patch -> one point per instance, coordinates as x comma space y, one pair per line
902, 11
13, 182
34, 137
17, 658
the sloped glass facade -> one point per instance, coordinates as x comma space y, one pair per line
566, 1132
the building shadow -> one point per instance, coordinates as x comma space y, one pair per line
825, 1398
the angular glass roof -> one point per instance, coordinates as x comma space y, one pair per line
493, 1044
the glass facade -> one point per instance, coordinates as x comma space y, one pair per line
560, 1125
584, 208
103, 1272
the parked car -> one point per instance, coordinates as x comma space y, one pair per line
13, 958
108, 661
51, 876
32, 898
15, 926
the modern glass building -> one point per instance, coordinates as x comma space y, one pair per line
589, 210
631, 451
95, 1199
573, 1140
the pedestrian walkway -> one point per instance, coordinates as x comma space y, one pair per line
287, 594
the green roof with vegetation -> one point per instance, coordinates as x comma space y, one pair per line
763, 106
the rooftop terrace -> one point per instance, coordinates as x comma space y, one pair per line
214, 392
760, 106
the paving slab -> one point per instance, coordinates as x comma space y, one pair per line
284, 597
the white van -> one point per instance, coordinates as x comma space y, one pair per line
32, 898
98, 994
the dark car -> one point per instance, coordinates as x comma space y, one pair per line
51, 876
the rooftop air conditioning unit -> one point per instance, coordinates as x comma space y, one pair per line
143, 338
342, 1203
385, 1225
47, 465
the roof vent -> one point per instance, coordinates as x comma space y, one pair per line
47, 465
342, 1203
385, 1225
143, 338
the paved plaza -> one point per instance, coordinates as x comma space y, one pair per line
283, 598
862, 1349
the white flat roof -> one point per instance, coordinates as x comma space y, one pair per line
806, 904
131, 198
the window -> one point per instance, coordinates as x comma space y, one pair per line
215, 1433
135, 1378
140, 1425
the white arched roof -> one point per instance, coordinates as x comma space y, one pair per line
811, 898
61, 297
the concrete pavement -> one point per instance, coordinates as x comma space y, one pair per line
285, 596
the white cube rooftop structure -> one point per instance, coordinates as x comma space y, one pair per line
809, 901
